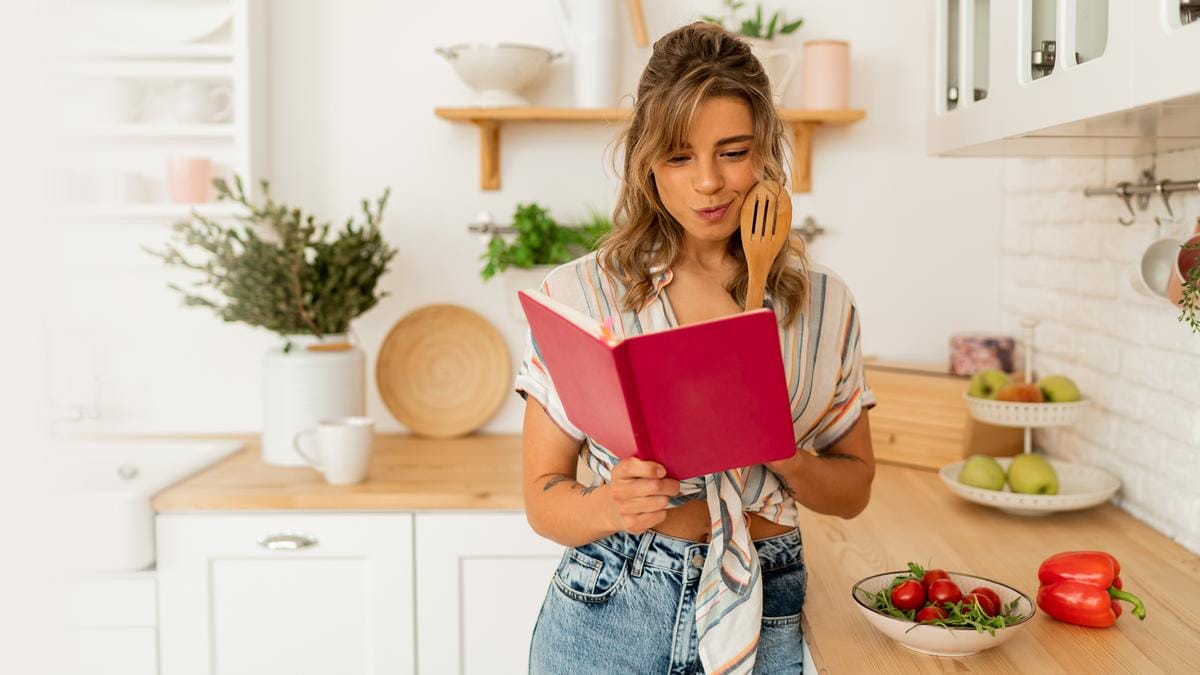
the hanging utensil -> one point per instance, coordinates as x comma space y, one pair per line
766, 222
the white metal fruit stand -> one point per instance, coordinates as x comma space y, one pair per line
1027, 415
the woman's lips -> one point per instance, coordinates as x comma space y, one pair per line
715, 214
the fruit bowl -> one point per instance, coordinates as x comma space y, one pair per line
1014, 414
1079, 487
941, 640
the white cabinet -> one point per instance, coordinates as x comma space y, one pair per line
1108, 56
1166, 51
481, 579
285, 592
105, 624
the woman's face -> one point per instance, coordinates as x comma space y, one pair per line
713, 170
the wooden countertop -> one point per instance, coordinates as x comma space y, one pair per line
406, 473
911, 517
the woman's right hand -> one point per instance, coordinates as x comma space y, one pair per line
639, 495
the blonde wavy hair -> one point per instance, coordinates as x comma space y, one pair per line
687, 67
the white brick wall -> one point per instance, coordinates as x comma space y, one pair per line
1067, 263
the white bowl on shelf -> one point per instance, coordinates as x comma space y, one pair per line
1080, 486
941, 640
1015, 414
498, 71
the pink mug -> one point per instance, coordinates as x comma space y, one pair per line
189, 179
1184, 262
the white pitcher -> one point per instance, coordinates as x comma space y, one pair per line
591, 31
780, 64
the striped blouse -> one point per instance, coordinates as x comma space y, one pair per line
823, 362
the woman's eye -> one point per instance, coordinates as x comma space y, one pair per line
737, 154
731, 155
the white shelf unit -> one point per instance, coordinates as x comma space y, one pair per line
1111, 57
93, 150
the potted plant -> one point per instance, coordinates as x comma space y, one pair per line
282, 271
539, 243
780, 64
1189, 301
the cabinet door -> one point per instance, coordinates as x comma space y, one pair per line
481, 579
295, 593
1165, 52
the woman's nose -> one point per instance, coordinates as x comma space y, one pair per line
708, 177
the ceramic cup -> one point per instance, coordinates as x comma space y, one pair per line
343, 448
189, 179
826, 78
197, 103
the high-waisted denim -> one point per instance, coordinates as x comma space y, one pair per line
626, 604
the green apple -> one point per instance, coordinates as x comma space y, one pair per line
987, 382
1058, 389
982, 471
1032, 475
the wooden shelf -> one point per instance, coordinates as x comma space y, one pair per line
803, 122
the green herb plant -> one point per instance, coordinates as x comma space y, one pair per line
279, 269
754, 27
540, 240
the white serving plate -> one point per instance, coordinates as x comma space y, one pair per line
940, 640
1014, 414
1080, 486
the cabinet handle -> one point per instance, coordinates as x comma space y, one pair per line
286, 541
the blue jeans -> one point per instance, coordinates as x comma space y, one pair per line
626, 604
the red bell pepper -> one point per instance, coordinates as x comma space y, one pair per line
1083, 588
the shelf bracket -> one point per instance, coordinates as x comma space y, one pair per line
802, 133
489, 154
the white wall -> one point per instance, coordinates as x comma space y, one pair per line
1067, 263
353, 86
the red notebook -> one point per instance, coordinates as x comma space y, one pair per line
697, 399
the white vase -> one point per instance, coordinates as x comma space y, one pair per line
592, 29
302, 386
780, 64
522, 279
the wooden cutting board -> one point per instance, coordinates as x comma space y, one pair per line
443, 371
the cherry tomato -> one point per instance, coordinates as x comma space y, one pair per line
931, 613
985, 603
991, 595
943, 591
908, 595
932, 576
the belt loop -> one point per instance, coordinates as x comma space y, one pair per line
640, 557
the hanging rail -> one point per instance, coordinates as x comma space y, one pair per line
1142, 191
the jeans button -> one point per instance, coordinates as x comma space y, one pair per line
698, 561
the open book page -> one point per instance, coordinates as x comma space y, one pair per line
602, 331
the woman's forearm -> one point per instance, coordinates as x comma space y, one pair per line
562, 510
831, 483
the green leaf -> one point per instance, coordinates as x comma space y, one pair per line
790, 28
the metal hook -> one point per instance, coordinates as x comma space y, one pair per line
1166, 197
1123, 193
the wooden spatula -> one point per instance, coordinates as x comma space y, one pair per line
766, 220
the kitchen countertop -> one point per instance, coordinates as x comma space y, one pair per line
912, 516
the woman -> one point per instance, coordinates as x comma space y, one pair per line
652, 581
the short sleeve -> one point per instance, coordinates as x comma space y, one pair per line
533, 379
851, 394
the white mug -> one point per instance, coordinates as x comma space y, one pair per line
196, 103
343, 450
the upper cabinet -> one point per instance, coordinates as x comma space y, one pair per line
1064, 77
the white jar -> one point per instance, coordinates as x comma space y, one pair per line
306, 384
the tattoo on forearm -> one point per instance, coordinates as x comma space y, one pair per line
573, 485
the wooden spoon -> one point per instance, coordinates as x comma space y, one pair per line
766, 221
